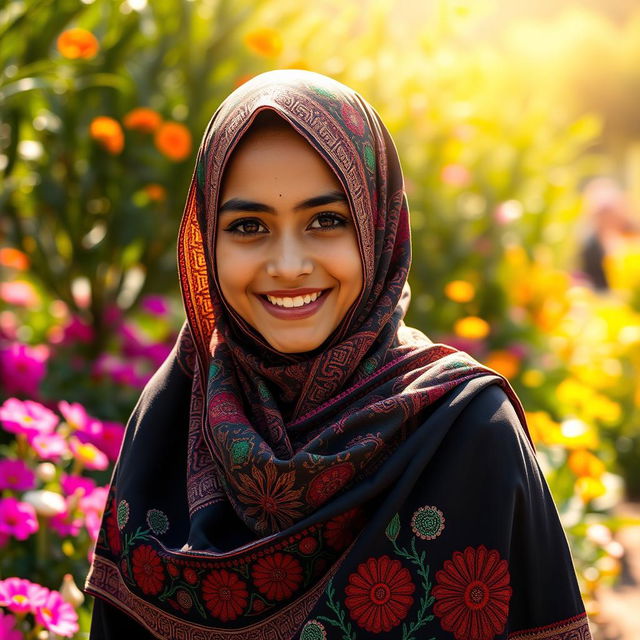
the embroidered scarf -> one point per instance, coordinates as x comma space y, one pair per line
246, 474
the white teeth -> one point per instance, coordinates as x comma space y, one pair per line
298, 301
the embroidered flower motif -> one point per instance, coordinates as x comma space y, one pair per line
225, 595
313, 630
157, 521
123, 514
113, 532
370, 158
427, 523
328, 482
472, 594
352, 119
307, 545
340, 532
172, 570
183, 598
271, 498
277, 576
240, 451
379, 594
147, 569
190, 575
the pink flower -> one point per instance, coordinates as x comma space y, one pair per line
78, 331
93, 506
110, 439
27, 417
132, 345
22, 368
455, 175
158, 353
19, 293
66, 524
8, 629
57, 615
70, 484
49, 446
88, 454
16, 475
21, 596
78, 419
155, 304
17, 519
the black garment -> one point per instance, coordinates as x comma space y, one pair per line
483, 477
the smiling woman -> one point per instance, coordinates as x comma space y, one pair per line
287, 254
304, 465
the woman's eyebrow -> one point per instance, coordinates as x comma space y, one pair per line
239, 204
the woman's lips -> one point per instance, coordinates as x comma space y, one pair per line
294, 313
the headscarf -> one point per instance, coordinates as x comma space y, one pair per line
246, 472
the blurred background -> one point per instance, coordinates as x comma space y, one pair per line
519, 132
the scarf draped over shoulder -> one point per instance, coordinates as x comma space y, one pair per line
382, 484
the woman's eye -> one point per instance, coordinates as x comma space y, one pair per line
246, 227
328, 221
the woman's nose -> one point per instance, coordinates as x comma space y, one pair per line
290, 259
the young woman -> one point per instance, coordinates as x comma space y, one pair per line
304, 465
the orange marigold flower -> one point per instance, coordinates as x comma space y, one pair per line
585, 465
78, 43
108, 133
504, 362
264, 41
472, 327
173, 140
12, 258
156, 192
459, 291
143, 119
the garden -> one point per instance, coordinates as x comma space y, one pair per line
102, 104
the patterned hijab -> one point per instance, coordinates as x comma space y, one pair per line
236, 454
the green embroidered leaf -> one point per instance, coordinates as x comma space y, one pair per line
393, 528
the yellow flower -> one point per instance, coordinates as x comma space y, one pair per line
584, 464
504, 362
542, 428
77, 43
471, 327
264, 41
156, 192
108, 133
173, 140
589, 488
532, 378
459, 291
143, 119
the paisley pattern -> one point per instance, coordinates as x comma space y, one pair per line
247, 476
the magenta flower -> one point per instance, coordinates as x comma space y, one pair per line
17, 519
88, 454
57, 615
92, 506
66, 524
70, 484
132, 345
21, 596
22, 368
110, 439
27, 417
158, 353
77, 331
78, 418
155, 304
49, 446
8, 629
16, 475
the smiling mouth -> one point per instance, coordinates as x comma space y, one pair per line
293, 302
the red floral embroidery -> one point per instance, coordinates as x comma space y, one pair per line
352, 119
277, 576
307, 545
472, 594
190, 575
147, 569
224, 594
329, 482
339, 532
172, 570
113, 533
379, 594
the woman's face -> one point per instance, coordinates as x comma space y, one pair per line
287, 253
